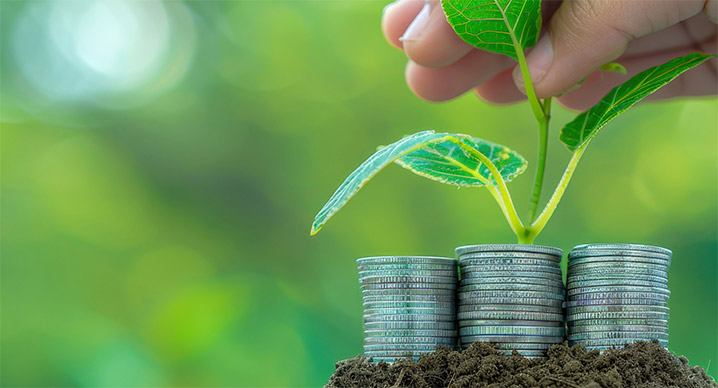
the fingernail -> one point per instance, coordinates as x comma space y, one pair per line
413, 32
383, 11
539, 61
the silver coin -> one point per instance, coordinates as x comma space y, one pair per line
395, 347
624, 335
408, 286
621, 302
517, 346
512, 330
410, 325
508, 248
610, 259
410, 333
556, 282
571, 310
470, 307
472, 298
395, 355
513, 274
409, 267
610, 343
518, 295
513, 339
409, 317
525, 259
408, 291
412, 279
512, 287
508, 322
412, 272
594, 327
374, 300
594, 281
614, 272
391, 360
477, 270
410, 311
405, 260
619, 295
509, 315
410, 340
632, 315
605, 289
406, 304
623, 247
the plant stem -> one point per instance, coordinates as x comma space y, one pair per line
541, 165
541, 221
503, 197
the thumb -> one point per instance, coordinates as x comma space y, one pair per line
585, 34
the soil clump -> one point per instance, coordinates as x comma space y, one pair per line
640, 365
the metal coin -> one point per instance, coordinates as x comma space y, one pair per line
412, 279
610, 259
631, 315
508, 322
604, 289
391, 360
627, 335
475, 297
377, 300
629, 328
611, 272
409, 317
508, 248
513, 287
410, 340
513, 339
517, 295
611, 343
409, 273
395, 347
409, 267
405, 260
410, 325
511, 330
509, 315
504, 280
470, 307
513, 274
410, 311
405, 304
409, 286
623, 247
526, 259
520, 346
618, 309
621, 302
618, 295
594, 281
477, 270
395, 355
410, 333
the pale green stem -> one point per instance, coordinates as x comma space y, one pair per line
541, 165
497, 196
536, 106
508, 205
542, 219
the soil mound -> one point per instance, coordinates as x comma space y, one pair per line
639, 365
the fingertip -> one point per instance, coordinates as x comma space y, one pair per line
396, 17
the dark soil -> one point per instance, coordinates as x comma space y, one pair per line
639, 365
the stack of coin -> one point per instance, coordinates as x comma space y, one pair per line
617, 293
511, 295
409, 305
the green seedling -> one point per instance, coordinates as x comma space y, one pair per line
506, 27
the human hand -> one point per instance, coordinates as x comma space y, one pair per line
578, 37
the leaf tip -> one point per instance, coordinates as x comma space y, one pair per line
315, 230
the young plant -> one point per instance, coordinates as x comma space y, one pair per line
506, 27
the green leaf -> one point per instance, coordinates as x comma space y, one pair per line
585, 126
500, 26
432, 155
368, 169
447, 162
614, 67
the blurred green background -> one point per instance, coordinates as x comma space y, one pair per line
162, 164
